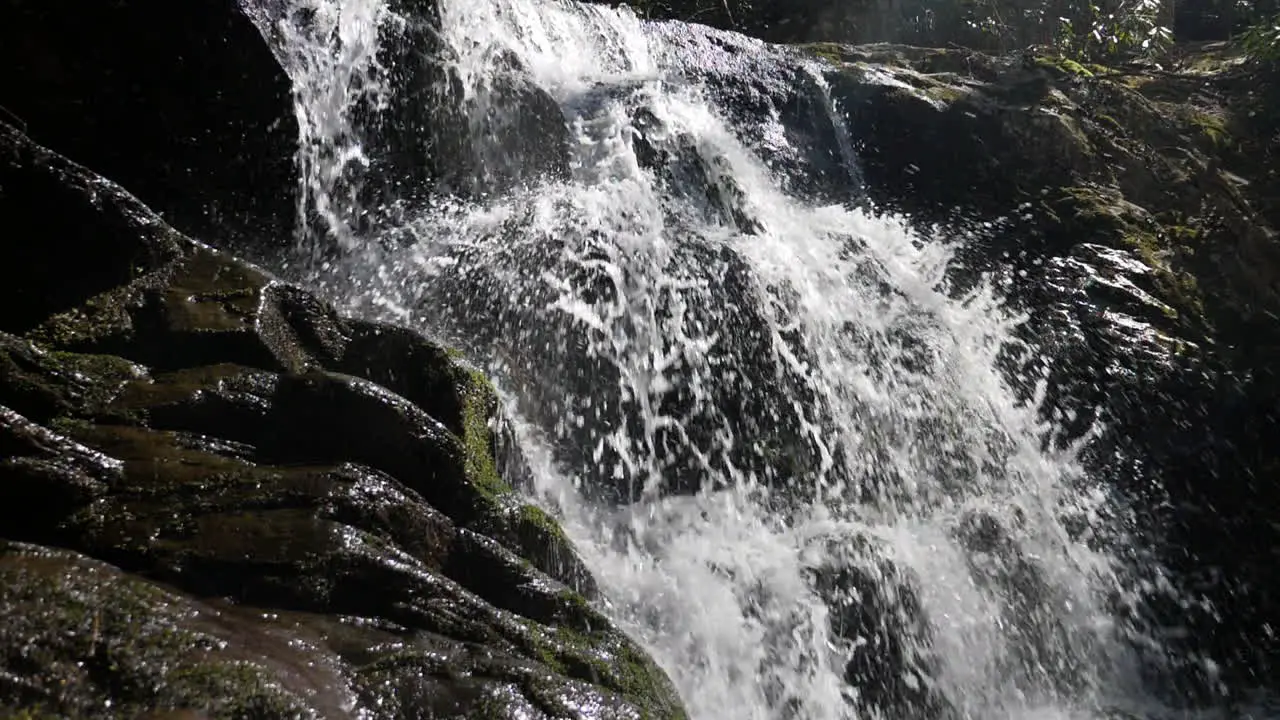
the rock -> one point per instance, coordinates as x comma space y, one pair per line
874, 608
760, 87
92, 641
567, 380
183, 103
317, 494
1132, 215
402, 128
427, 137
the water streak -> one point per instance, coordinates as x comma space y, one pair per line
330, 50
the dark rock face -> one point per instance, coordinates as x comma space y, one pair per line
318, 496
875, 608
181, 102
755, 85
1133, 217
510, 133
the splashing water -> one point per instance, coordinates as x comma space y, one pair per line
783, 448
330, 51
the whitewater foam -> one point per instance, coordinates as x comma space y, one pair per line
632, 310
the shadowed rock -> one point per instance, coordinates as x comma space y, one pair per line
318, 496
181, 102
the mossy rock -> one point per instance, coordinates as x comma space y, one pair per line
86, 640
191, 420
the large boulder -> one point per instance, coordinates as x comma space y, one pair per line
1132, 215
184, 103
219, 496
384, 131
436, 134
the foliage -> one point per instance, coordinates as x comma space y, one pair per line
1084, 30
1099, 30
1262, 41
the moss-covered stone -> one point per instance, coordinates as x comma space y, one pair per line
85, 640
1063, 65
1213, 127
479, 408
191, 420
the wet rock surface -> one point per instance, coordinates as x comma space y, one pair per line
219, 496
452, 143
1131, 213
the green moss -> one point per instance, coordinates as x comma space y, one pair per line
100, 380
43, 385
526, 528
1166, 250
1226, 56
101, 317
535, 520
1063, 65
479, 403
1212, 127
944, 93
71, 427
1110, 122
36, 713
1136, 81
233, 689
96, 634
1160, 252
108, 368
614, 662
576, 601
606, 658
831, 52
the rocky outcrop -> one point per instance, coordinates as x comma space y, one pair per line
444, 137
183, 103
189, 107
1132, 214
218, 496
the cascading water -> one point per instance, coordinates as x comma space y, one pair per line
330, 51
783, 448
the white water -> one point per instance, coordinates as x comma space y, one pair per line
604, 304
330, 52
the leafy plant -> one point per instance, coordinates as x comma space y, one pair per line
1083, 30
1262, 41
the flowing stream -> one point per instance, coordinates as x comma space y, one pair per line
778, 437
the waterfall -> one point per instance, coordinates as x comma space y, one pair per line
780, 440
330, 52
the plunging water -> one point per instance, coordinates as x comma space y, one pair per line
780, 442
